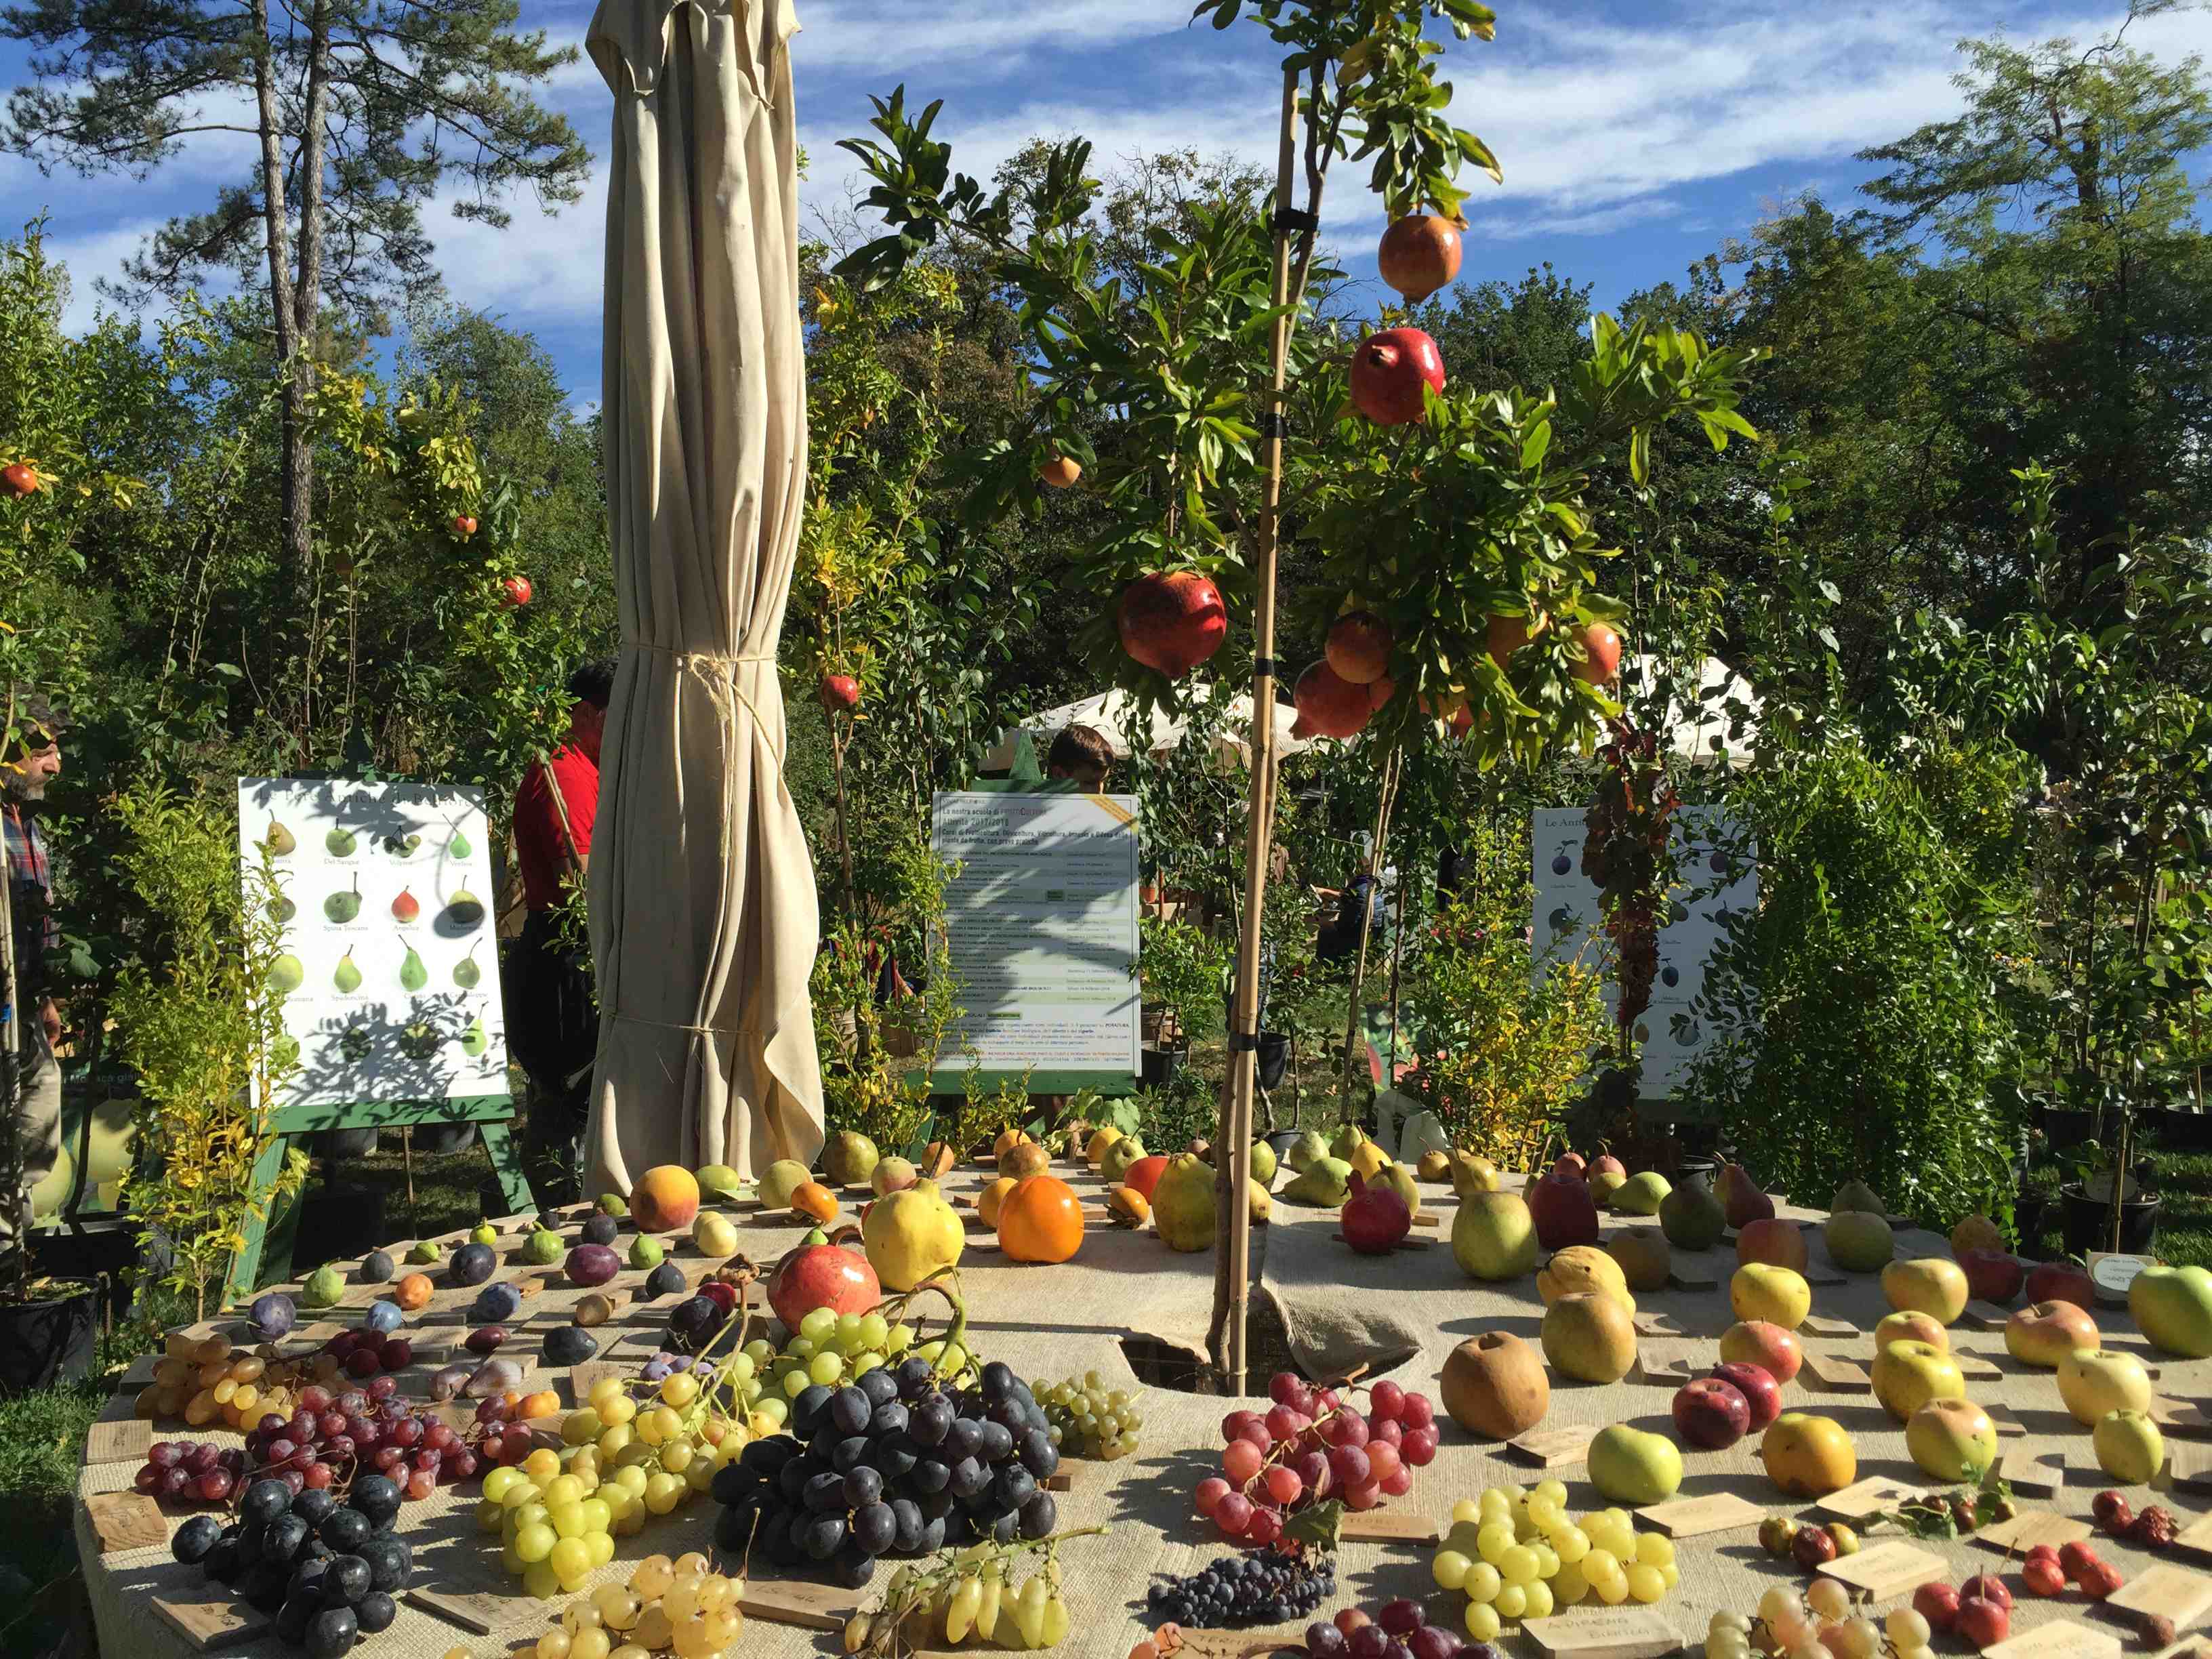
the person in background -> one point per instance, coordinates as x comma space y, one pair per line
1081, 755
553, 1025
29, 765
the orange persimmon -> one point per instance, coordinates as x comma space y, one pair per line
1040, 1221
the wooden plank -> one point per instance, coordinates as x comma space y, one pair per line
1691, 1277
1974, 1367
1826, 1278
2195, 1537
119, 1443
126, 1521
2179, 1416
2002, 1417
1657, 1322
1408, 1242
2033, 1473
1834, 1374
2163, 1589
2063, 1640
480, 1612
796, 1601
1864, 1497
1553, 1449
1661, 1368
209, 1616
1984, 1316
1887, 1570
1625, 1633
1384, 1525
585, 1377
1835, 1330
2030, 1527
1693, 1517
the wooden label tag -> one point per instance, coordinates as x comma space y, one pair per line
2188, 1466
1864, 1497
213, 1620
2179, 1416
583, 1378
1835, 1373
1553, 1448
1692, 1517
119, 1443
1819, 1273
2175, 1592
479, 1611
1887, 1570
126, 1521
1662, 1368
1689, 1277
2063, 1640
2003, 1420
2036, 1473
1408, 1242
1984, 1316
1835, 1330
1387, 1526
2030, 1527
1974, 1367
2195, 1537
795, 1601
1604, 1633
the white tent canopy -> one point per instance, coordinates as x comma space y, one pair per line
1115, 716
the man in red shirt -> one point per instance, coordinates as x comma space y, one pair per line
552, 1021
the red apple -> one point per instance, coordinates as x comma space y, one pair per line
517, 590
1758, 1386
1760, 1342
1988, 1587
1938, 1604
2045, 1333
1601, 655
1992, 1275
1061, 471
1358, 647
1419, 255
1172, 621
20, 477
838, 693
464, 525
1981, 1623
1563, 1211
821, 1276
1711, 1413
1330, 704
2061, 1281
1389, 372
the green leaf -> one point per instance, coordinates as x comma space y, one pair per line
1317, 1525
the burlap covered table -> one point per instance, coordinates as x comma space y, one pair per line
1336, 1308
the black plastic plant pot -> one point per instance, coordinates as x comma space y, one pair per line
47, 1340
2063, 1127
1274, 1058
2180, 1129
2087, 1221
335, 1144
1161, 1066
442, 1139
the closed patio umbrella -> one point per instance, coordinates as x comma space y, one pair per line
703, 903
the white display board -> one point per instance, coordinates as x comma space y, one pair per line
1042, 923
1714, 886
388, 924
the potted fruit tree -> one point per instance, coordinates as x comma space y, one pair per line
1201, 393
1179, 970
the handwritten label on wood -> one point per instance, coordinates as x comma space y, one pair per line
795, 1601
1693, 1517
1984, 1316
1553, 1448
1975, 1367
1835, 1373
2195, 1537
1387, 1526
126, 1521
2030, 1527
1864, 1497
2003, 1420
2174, 1592
1604, 1633
118, 1443
209, 1616
1662, 1368
1835, 1330
1885, 1572
480, 1611
2036, 1473
2063, 1640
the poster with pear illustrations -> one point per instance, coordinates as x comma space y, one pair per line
391, 965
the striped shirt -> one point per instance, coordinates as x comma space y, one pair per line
30, 891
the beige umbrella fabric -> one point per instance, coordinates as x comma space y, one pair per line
702, 901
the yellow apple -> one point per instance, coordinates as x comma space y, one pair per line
2045, 1333
1590, 1336
2094, 1381
1911, 1326
1809, 1456
1779, 1295
2129, 1446
1932, 1285
1908, 1375
1951, 1439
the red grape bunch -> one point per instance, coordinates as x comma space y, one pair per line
1313, 1443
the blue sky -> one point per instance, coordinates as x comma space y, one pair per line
1634, 138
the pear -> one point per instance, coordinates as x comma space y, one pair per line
483, 1233
1858, 1196
458, 846
413, 975
347, 976
466, 974
344, 905
281, 840
406, 906
475, 1039
341, 843
286, 974
464, 908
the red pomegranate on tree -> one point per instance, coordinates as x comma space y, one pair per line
1359, 647
1060, 472
1172, 621
464, 525
1601, 655
515, 592
1330, 704
1380, 691
1389, 372
821, 1276
20, 478
1419, 255
838, 693
1508, 633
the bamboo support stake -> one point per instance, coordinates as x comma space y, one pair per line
1233, 1162
1386, 796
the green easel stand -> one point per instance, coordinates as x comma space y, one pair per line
266, 1255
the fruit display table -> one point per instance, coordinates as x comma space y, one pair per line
1338, 1308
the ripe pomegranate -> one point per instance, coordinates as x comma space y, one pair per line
517, 590
1301, 728
20, 477
1508, 633
1374, 1218
838, 693
1389, 371
464, 525
1380, 691
1172, 620
1061, 471
1359, 647
1419, 255
1329, 704
1601, 655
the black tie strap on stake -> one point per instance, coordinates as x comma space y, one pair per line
1244, 1042
1287, 221
1267, 666
1276, 424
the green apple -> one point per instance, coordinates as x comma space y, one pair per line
1494, 1236
1632, 1467
2129, 1446
2173, 1306
1858, 1241
1951, 1439
2094, 1381
1779, 1295
1908, 1375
